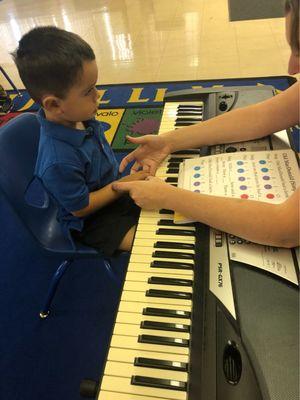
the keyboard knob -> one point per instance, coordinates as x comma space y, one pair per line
231, 149
223, 106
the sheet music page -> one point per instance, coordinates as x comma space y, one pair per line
269, 176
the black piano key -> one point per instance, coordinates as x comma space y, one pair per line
175, 159
172, 254
168, 294
174, 245
171, 179
170, 222
160, 364
189, 151
173, 232
190, 113
172, 170
164, 312
185, 123
163, 340
160, 280
173, 164
158, 383
189, 106
165, 326
164, 211
184, 119
170, 265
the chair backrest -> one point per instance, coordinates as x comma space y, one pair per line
19, 141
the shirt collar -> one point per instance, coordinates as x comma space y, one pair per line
73, 136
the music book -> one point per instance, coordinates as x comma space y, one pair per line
268, 176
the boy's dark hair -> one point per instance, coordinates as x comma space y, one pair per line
49, 60
292, 6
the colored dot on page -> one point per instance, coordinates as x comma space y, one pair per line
240, 170
262, 161
270, 196
244, 196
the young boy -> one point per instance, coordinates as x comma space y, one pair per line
75, 163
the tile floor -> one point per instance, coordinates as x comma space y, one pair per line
153, 40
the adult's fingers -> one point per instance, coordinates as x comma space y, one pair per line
137, 140
125, 161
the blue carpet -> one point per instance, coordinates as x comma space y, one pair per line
47, 359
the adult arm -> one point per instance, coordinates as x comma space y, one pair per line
259, 222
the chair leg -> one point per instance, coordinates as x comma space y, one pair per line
10, 81
53, 286
109, 269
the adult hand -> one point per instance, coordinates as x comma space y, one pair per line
149, 194
151, 152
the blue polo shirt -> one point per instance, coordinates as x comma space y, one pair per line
71, 163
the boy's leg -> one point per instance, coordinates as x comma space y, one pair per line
127, 240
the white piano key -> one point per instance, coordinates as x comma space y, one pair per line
141, 234
137, 307
136, 319
107, 395
135, 330
155, 227
128, 355
163, 174
115, 368
131, 342
144, 276
155, 237
141, 297
149, 243
143, 286
148, 258
123, 385
155, 218
144, 267
149, 250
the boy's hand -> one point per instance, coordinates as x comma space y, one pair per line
137, 176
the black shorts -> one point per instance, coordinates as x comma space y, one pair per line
105, 229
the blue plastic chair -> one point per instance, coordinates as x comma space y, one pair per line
19, 140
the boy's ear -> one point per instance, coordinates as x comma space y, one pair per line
51, 104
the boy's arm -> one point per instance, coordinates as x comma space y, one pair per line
102, 197
249, 123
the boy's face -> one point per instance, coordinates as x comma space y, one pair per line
81, 102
